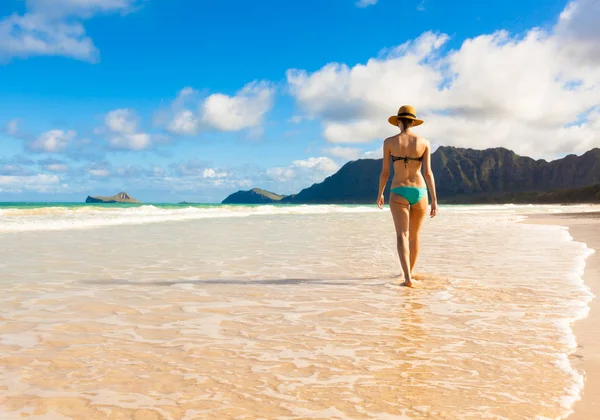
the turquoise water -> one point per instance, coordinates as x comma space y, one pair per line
38, 205
36, 216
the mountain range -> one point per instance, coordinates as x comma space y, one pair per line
462, 176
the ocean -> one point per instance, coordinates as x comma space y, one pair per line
285, 312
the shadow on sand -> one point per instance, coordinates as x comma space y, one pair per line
241, 282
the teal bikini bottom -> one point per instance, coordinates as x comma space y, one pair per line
412, 194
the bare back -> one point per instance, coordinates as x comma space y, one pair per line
408, 153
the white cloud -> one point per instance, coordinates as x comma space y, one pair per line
373, 154
245, 110
281, 174
122, 121
38, 183
181, 120
135, 142
534, 93
338, 93
347, 153
309, 170
27, 35
353, 153
55, 28
52, 141
321, 164
366, 3
79, 8
578, 31
184, 122
211, 173
352, 132
124, 134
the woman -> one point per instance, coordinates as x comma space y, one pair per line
408, 193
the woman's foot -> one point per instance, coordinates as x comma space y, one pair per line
407, 283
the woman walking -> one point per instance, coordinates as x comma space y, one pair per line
408, 193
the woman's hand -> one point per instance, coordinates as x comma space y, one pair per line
434, 208
380, 202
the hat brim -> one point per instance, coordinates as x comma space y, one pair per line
394, 120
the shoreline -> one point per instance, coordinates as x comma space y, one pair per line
585, 228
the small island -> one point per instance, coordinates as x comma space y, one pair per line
253, 196
121, 197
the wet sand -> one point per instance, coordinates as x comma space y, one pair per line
179, 320
585, 227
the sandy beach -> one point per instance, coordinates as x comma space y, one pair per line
161, 312
585, 227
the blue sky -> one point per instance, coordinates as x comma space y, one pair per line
192, 100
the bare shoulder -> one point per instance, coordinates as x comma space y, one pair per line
386, 142
389, 139
423, 141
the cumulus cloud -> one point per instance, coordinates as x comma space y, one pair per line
536, 93
123, 121
55, 28
578, 31
211, 173
123, 131
309, 170
244, 110
184, 122
52, 141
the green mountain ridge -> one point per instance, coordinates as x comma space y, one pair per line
465, 175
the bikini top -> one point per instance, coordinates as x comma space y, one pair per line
406, 159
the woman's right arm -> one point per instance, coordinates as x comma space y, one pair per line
429, 180
384, 175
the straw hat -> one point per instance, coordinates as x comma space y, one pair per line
405, 111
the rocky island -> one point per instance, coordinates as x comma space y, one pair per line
121, 197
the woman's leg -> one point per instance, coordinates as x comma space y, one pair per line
400, 213
417, 214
